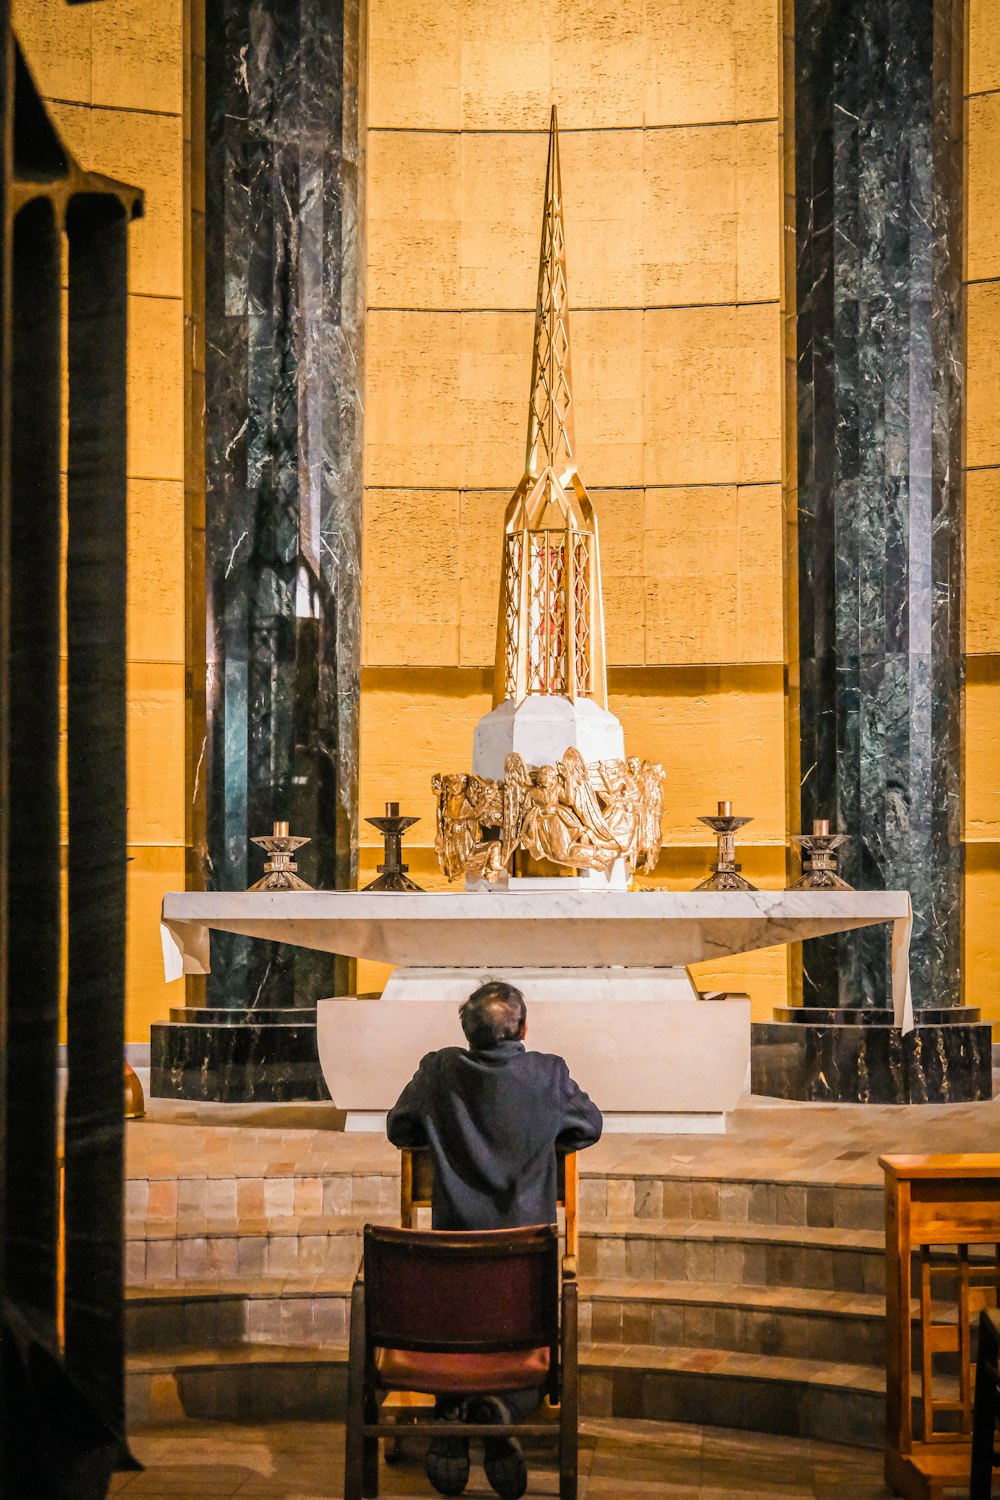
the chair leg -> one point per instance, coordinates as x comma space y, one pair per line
369, 1458
569, 1405
355, 1466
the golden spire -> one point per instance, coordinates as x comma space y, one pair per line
550, 631
550, 414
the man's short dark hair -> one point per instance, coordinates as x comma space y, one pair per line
494, 1013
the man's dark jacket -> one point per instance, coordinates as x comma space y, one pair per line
492, 1119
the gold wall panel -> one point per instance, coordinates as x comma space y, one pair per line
146, 149
759, 209
608, 395
479, 66
982, 406
982, 923
983, 53
411, 82
982, 560
155, 388
620, 519
494, 375
982, 748
713, 574
506, 65
156, 570
156, 707
719, 732
414, 722
709, 63
413, 420
59, 57
725, 361
481, 554
605, 189
414, 219
411, 600
982, 246
710, 215
137, 59
500, 173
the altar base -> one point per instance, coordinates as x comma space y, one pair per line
657, 1066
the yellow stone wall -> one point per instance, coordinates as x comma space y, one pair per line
112, 76
982, 479
669, 116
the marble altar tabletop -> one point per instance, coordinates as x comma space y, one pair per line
544, 929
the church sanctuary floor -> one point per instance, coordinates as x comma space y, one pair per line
618, 1459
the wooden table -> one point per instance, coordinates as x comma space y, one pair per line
936, 1207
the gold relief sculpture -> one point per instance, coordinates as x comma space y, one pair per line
570, 814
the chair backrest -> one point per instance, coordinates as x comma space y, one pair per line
462, 1292
416, 1187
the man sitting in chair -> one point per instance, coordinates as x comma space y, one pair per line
492, 1118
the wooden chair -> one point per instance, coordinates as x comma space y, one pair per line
416, 1185
460, 1314
986, 1406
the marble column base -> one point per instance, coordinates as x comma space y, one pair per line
236, 1057
857, 1056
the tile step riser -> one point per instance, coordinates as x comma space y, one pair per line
837, 1338
755, 1405
749, 1264
760, 1203
317, 1322
817, 1206
228, 1256
253, 1394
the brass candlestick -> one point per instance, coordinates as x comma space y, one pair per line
280, 869
819, 863
392, 874
725, 872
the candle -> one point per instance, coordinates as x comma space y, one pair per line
725, 809
392, 809
821, 827
280, 831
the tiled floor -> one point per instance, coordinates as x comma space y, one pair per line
649, 1460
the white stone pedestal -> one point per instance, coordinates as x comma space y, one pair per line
653, 1066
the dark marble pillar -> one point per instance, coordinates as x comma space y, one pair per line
878, 169
284, 342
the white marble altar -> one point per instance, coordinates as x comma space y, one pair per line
603, 974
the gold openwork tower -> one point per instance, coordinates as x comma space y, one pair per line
550, 633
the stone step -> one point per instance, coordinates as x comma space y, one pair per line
239, 1383
833, 1402
306, 1311
313, 1312
252, 1383
719, 1250
794, 1322
189, 1247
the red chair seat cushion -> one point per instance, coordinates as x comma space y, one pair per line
461, 1374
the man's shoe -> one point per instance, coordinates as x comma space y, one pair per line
503, 1460
447, 1461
